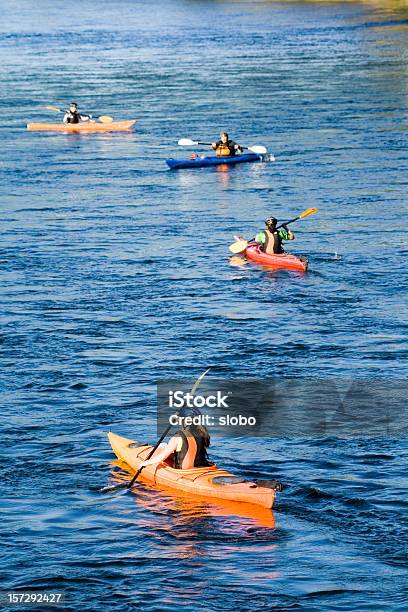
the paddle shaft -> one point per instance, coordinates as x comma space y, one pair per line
102, 118
60, 110
209, 144
149, 456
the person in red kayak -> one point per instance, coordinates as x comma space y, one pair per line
225, 147
73, 116
188, 448
271, 238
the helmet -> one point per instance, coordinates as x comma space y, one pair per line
271, 222
74, 104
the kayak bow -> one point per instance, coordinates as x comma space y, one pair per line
205, 482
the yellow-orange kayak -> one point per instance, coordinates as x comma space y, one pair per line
204, 482
86, 126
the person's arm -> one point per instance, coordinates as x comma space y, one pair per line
285, 233
214, 145
65, 119
237, 147
163, 453
85, 117
260, 237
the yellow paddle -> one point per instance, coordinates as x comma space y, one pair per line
241, 245
102, 119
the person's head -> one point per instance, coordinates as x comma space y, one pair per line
73, 107
270, 223
198, 431
224, 137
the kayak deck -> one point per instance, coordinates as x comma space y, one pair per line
91, 126
212, 160
284, 260
205, 482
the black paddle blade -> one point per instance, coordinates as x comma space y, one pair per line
276, 485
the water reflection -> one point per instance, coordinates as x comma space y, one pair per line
193, 515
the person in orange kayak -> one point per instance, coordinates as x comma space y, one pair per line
271, 238
225, 147
188, 448
73, 116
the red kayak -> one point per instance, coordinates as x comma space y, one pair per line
284, 260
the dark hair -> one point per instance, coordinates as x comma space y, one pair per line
199, 431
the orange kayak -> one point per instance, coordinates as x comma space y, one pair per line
284, 260
205, 482
86, 126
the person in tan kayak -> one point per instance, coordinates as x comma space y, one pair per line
226, 147
271, 238
188, 448
73, 116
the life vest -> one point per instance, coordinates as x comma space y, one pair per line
193, 452
225, 149
73, 117
273, 243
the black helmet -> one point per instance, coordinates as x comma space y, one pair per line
74, 104
271, 222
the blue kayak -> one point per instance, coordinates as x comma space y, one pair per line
213, 160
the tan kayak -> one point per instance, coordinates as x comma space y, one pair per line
86, 126
205, 482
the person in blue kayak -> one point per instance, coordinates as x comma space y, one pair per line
225, 147
188, 449
271, 238
73, 116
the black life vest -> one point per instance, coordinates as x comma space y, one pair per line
73, 117
277, 242
193, 452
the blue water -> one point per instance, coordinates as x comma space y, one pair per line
115, 273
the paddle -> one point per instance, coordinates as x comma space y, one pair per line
102, 118
186, 142
128, 485
241, 245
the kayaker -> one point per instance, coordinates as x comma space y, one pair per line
73, 116
188, 447
226, 147
271, 238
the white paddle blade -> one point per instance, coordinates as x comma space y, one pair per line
105, 119
258, 149
186, 142
238, 247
